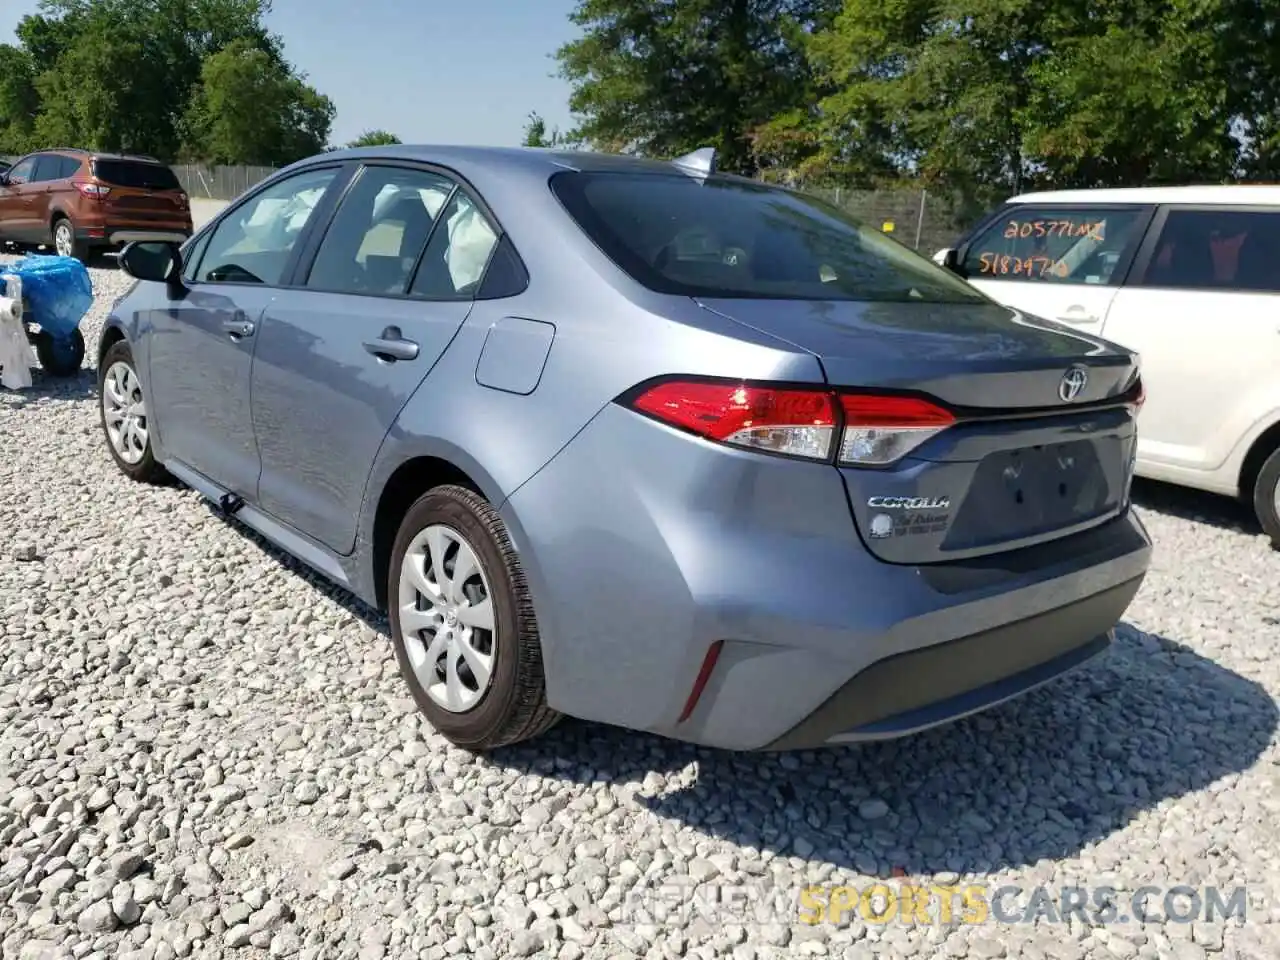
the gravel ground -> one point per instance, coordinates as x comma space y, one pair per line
206, 751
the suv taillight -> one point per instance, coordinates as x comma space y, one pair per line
181, 200
866, 429
95, 190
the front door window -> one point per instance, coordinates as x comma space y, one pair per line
255, 242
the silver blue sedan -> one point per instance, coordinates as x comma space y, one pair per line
637, 442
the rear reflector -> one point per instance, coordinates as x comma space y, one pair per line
806, 422
700, 682
797, 423
880, 430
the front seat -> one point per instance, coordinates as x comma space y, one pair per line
389, 273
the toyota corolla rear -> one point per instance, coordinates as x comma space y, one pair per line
927, 514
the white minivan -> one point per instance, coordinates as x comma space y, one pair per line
1189, 278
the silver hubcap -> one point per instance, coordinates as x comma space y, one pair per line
63, 239
124, 412
1275, 497
446, 618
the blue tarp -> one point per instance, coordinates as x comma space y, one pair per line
57, 290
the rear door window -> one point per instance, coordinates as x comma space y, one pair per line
68, 166
457, 254
137, 174
379, 232
1220, 249
1045, 244
48, 167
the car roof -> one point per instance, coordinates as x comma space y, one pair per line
1233, 194
523, 159
96, 155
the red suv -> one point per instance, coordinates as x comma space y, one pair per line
81, 202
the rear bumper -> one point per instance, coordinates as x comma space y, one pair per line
118, 235
922, 688
645, 547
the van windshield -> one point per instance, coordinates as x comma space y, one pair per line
731, 238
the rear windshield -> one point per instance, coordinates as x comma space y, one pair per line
732, 238
134, 173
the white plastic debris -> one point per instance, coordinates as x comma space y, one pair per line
16, 357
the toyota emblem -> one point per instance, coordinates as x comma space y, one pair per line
1073, 383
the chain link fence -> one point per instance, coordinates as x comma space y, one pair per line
920, 219
219, 182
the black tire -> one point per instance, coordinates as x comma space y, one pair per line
147, 469
60, 360
77, 248
514, 705
1266, 493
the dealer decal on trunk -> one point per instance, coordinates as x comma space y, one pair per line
920, 516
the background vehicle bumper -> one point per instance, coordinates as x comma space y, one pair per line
644, 547
115, 236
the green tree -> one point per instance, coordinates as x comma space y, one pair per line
535, 133
19, 100
375, 138
250, 108
1148, 95
990, 97
93, 96
664, 77
125, 74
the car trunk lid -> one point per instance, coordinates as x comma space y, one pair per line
1043, 435
141, 190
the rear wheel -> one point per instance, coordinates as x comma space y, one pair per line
59, 357
65, 243
125, 422
1266, 497
463, 625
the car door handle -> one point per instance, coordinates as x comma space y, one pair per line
392, 346
238, 329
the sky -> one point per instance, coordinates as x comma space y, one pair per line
430, 71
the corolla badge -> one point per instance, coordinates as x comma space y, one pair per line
1073, 383
909, 503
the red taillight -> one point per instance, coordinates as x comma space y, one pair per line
95, 190
882, 429
872, 430
181, 201
795, 422
1139, 398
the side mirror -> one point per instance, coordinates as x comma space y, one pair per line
950, 260
156, 261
